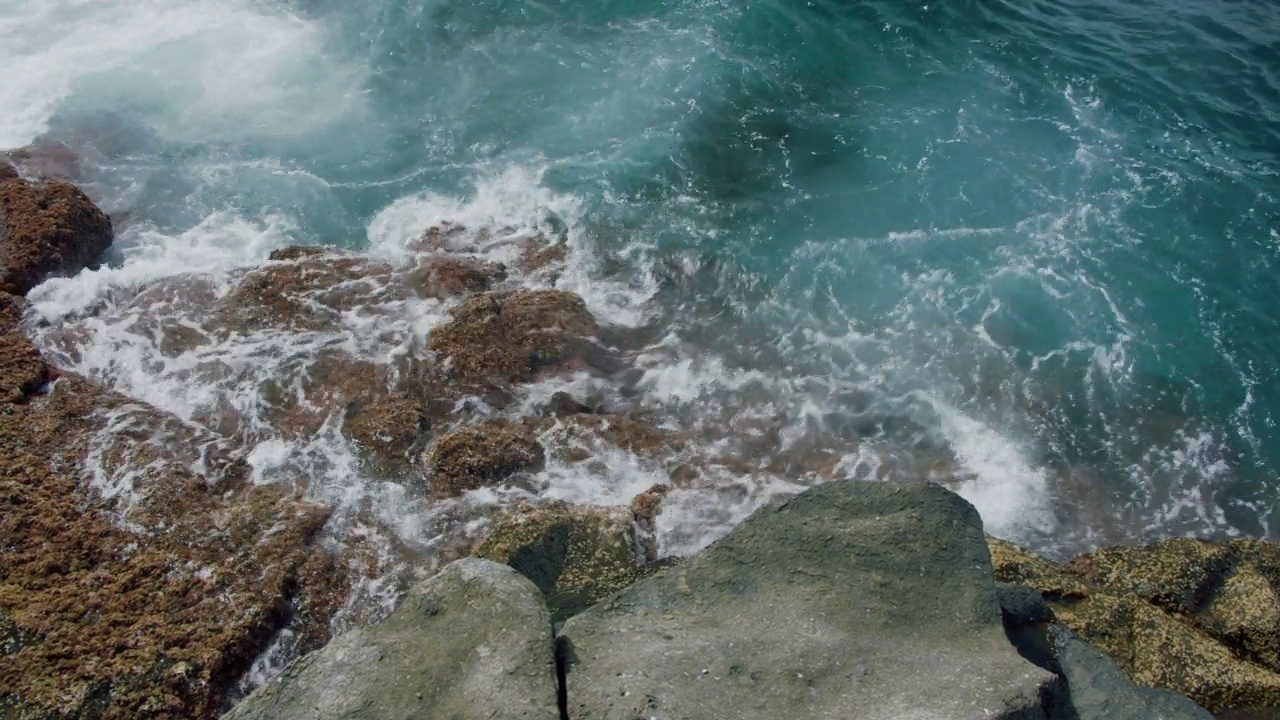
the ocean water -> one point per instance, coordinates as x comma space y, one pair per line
1035, 245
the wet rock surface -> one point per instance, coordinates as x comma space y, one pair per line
444, 277
319, 288
42, 160
481, 455
22, 370
387, 428
871, 596
1170, 615
472, 642
47, 229
519, 336
143, 589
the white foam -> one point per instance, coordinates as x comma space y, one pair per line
513, 198
222, 242
685, 380
613, 477
515, 204
690, 520
198, 69
1010, 493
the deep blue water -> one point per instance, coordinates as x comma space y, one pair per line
1043, 236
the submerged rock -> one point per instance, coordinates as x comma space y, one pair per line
851, 600
304, 290
42, 160
1161, 613
579, 439
516, 337
481, 455
576, 555
474, 642
540, 255
444, 277
312, 288
136, 586
562, 404
47, 229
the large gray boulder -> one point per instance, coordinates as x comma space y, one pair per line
852, 600
472, 642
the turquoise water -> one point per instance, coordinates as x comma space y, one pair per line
1043, 237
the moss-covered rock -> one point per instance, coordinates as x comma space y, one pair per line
1178, 575
1016, 565
1228, 590
577, 555
481, 455
1159, 614
1245, 610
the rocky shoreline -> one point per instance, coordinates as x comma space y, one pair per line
150, 562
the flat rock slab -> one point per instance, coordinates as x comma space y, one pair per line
852, 600
472, 642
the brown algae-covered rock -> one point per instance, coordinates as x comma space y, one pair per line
446, 276
515, 337
481, 455
22, 370
47, 229
538, 254
305, 290
311, 288
149, 592
387, 429
12, 308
